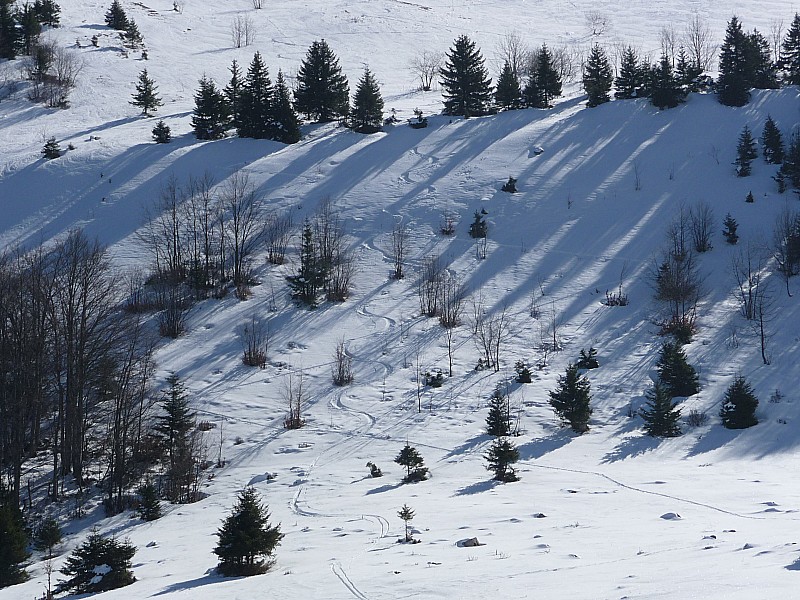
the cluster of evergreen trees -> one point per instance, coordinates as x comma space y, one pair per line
116, 18
21, 24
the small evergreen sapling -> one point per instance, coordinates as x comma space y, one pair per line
729, 230
750, 199
366, 114
146, 95
149, 504
739, 405
98, 565
498, 421
414, 464
479, 227
587, 360
510, 186
745, 153
523, 370
772, 142
51, 149
571, 400
500, 457
407, 515
247, 541
674, 371
162, 134
661, 415
48, 536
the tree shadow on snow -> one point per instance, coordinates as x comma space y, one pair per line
209, 578
383, 488
632, 446
477, 488
538, 447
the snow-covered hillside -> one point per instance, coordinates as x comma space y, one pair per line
586, 519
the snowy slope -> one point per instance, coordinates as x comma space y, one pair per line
576, 222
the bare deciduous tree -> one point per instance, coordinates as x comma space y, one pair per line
429, 286
255, 342
341, 273
513, 50
699, 42
258, 4
453, 294
342, 368
701, 218
668, 38
597, 23
240, 202
400, 234
748, 266
786, 245
277, 233
243, 31
425, 67
490, 331
295, 395
776, 39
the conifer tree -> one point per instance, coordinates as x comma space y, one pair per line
13, 542
790, 52
661, 415
233, 94
322, 92
9, 34
571, 400
531, 94
666, 92
733, 84
597, 77
255, 102
284, 119
478, 228
729, 229
210, 116
508, 95
51, 149
175, 426
746, 153
162, 134
762, 69
412, 460
247, 541
82, 566
149, 504
366, 114
739, 405
310, 278
675, 373
466, 85
772, 142
48, 536
146, 95
132, 34
547, 77
116, 17
47, 12
29, 28
498, 421
407, 515
686, 72
631, 79
500, 458
790, 169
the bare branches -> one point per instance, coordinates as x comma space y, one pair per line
400, 234
699, 43
243, 31
425, 67
429, 286
277, 233
295, 395
255, 342
342, 369
490, 331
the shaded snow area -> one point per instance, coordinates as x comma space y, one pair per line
609, 514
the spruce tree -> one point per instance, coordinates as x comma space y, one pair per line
149, 504
772, 142
500, 458
48, 536
532, 95
13, 542
98, 565
146, 95
322, 92
508, 95
465, 80
310, 278
133, 36
255, 102
675, 373
47, 12
588, 360
666, 92
175, 426
51, 149
29, 28
9, 34
661, 415
790, 52
247, 541
597, 77
686, 72
116, 17
366, 114
571, 399
746, 153
547, 77
739, 405
631, 79
233, 94
761, 71
729, 229
733, 84
498, 421
790, 169
284, 119
407, 515
210, 115
162, 134
412, 460
478, 228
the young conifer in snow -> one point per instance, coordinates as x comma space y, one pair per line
739, 405
661, 415
571, 400
146, 95
500, 457
284, 118
366, 114
674, 371
772, 142
412, 460
597, 77
508, 95
746, 153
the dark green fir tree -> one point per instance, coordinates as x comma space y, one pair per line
233, 94
547, 77
739, 405
149, 504
366, 114
210, 116
630, 81
729, 230
762, 72
498, 421
322, 92
414, 464
666, 92
255, 102
466, 85
772, 142
597, 77
146, 96
48, 12
746, 153
13, 542
790, 52
162, 134
675, 373
790, 169
286, 125
116, 17
500, 460
9, 34
81, 568
661, 415
571, 400
48, 536
307, 284
508, 95
733, 84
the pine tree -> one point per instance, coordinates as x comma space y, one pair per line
116, 17
162, 134
532, 95
666, 92
631, 79
132, 34
98, 565
51, 149
366, 115
547, 77
233, 94
508, 95
746, 153
763, 70
175, 426
407, 515
247, 541
686, 72
571, 400
8, 31
255, 102
498, 421
146, 95
478, 228
210, 116
48, 536
587, 360
149, 504
733, 85
47, 12
500, 457
675, 373
729, 232
597, 77
322, 92
790, 52
790, 169
772, 142
29, 28
412, 460
284, 118
739, 405
661, 415
13, 543
310, 278
465, 80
